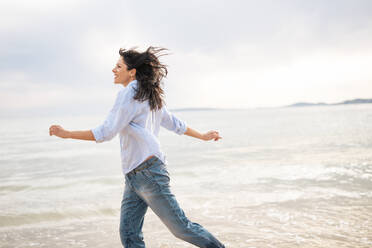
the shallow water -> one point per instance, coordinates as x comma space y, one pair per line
289, 177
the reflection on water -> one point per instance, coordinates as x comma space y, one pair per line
294, 177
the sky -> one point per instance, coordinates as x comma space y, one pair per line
57, 55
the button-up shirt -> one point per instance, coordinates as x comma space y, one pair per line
138, 128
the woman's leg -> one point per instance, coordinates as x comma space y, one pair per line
132, 213
152, 184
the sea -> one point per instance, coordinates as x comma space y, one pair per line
279, 177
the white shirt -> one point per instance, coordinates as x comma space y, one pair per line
138, 128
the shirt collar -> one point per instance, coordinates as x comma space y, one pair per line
132, 83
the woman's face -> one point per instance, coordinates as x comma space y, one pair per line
121, 73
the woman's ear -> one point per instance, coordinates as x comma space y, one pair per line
133, 72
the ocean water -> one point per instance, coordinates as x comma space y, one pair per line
286, 177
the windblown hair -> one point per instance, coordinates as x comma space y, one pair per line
149, 74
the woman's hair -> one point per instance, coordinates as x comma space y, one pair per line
149, 74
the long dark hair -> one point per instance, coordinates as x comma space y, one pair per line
149, 74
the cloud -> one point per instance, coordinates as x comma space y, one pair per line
225, 53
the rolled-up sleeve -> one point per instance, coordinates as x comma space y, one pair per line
119, 117
172, 123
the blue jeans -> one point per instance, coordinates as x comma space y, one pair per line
150, 187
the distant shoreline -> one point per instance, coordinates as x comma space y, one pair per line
73, 112
354, 101
298, 104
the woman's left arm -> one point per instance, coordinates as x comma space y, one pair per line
65, 134
120, 115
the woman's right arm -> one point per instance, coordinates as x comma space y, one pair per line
172, 123
205, 136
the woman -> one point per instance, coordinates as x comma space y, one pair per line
137, 115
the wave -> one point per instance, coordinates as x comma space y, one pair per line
13, 188
54, 216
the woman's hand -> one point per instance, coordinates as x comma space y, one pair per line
211, 135
58, 131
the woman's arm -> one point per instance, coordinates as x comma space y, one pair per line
205, 136
120, 115
62, 133
172, 123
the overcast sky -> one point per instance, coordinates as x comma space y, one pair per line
58, 54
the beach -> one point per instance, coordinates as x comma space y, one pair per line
280, 177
